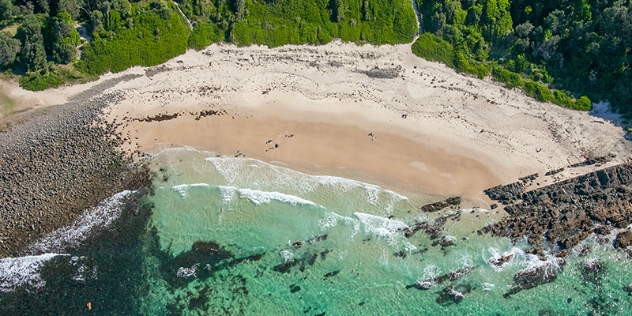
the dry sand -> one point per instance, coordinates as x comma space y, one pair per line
461, 136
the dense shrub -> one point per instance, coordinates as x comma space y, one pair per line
152, 40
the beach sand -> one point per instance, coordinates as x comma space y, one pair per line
461, 135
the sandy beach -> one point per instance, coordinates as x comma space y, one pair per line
459, 136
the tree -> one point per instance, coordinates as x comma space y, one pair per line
64, 52
9, 47
240, 9
96, 20
337, 10
66, 39
32, 54
6, 10
70, 6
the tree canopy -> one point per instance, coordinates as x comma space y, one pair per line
574, 47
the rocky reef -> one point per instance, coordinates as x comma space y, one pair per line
565, 213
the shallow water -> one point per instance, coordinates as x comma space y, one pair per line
240, 236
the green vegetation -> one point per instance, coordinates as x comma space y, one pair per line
152, 37
547, 48
40, 43
281, 22
544, 48
7, 105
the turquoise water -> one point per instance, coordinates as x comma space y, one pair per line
288, 243
237, 236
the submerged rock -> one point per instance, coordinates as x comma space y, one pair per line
592, 271
453, 294
452, 276
528, 279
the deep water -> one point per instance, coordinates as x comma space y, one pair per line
237, 236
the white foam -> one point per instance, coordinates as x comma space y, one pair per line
488, 286
227, 193
187, 272
15, 272
183, 188
102, 215
431, 271
516, 253
247, 172
263, 197
380, 226
286, 255
522, 259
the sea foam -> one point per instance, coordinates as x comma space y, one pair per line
248, 172
15, 272
102, 215
262, 197
183, 188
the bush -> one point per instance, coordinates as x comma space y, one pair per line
433, 48
137, 46
477, 68
204, 35
50, 78
510, 79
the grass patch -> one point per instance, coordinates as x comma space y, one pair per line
11, 29
433, 48
8, 105
52, 78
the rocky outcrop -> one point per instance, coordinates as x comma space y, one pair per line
531, 278
451, 276
623, 240
437, 206
501, 260
567, 212
453, 294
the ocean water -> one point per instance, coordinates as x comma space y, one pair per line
238, 236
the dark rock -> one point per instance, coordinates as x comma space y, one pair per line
159, 118
528, 279
565, 213
623, 240
602, 230
285, 267
452, 201
333, 273
452, 276
592, 271
400, 254
294, 288
500, 261
453, 294
552, 172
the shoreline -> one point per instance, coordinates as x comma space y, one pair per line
473, 131
57, 162
460, 129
